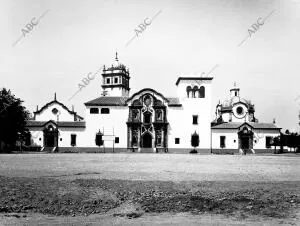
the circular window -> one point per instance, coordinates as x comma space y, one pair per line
54, 111
239, 110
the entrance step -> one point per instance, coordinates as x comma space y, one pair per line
49, 149
146, 150
246, 151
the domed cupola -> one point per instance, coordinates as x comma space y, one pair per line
116, 65
115, 79
235, 108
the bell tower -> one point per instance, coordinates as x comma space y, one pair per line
115, 79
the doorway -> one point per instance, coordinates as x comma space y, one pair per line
244, 142
245, 139
147, 140
50, 137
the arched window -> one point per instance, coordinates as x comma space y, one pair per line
50, 128
104, 110
195, 89
135, 114
188, 91
159, 115
202, 92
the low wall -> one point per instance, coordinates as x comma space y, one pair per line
124, 150
170, 150
188, 150
264, 151
225, 151
91, 150
236, 151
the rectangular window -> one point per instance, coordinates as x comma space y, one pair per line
268, 142
73, 140
158, 141
222, 141
107, 80
94, 110
177, 140
195, 119
104, 110
116, 140
116, 80
147, 118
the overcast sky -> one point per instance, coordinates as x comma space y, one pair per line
187, 37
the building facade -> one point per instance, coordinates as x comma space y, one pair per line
148, 121
235, 128
55, 125
145, 121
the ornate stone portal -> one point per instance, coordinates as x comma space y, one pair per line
147, 123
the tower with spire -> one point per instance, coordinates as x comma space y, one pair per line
115, 79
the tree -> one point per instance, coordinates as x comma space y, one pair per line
13, 118
195, 142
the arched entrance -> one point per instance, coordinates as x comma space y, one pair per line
245, 139
50, 136
147, 122
147, 140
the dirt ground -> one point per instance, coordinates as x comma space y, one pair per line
165, 167
149, 189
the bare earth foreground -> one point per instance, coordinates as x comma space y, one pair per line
149, 189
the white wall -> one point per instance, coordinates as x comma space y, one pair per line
260, 137
181, 120
115, 122
116, 92
174, 116
65, 135
47, 114
231, 135
37, 137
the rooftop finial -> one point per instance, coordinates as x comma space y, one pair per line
117, 56
54, 96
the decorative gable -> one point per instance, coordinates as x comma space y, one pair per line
56, 111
